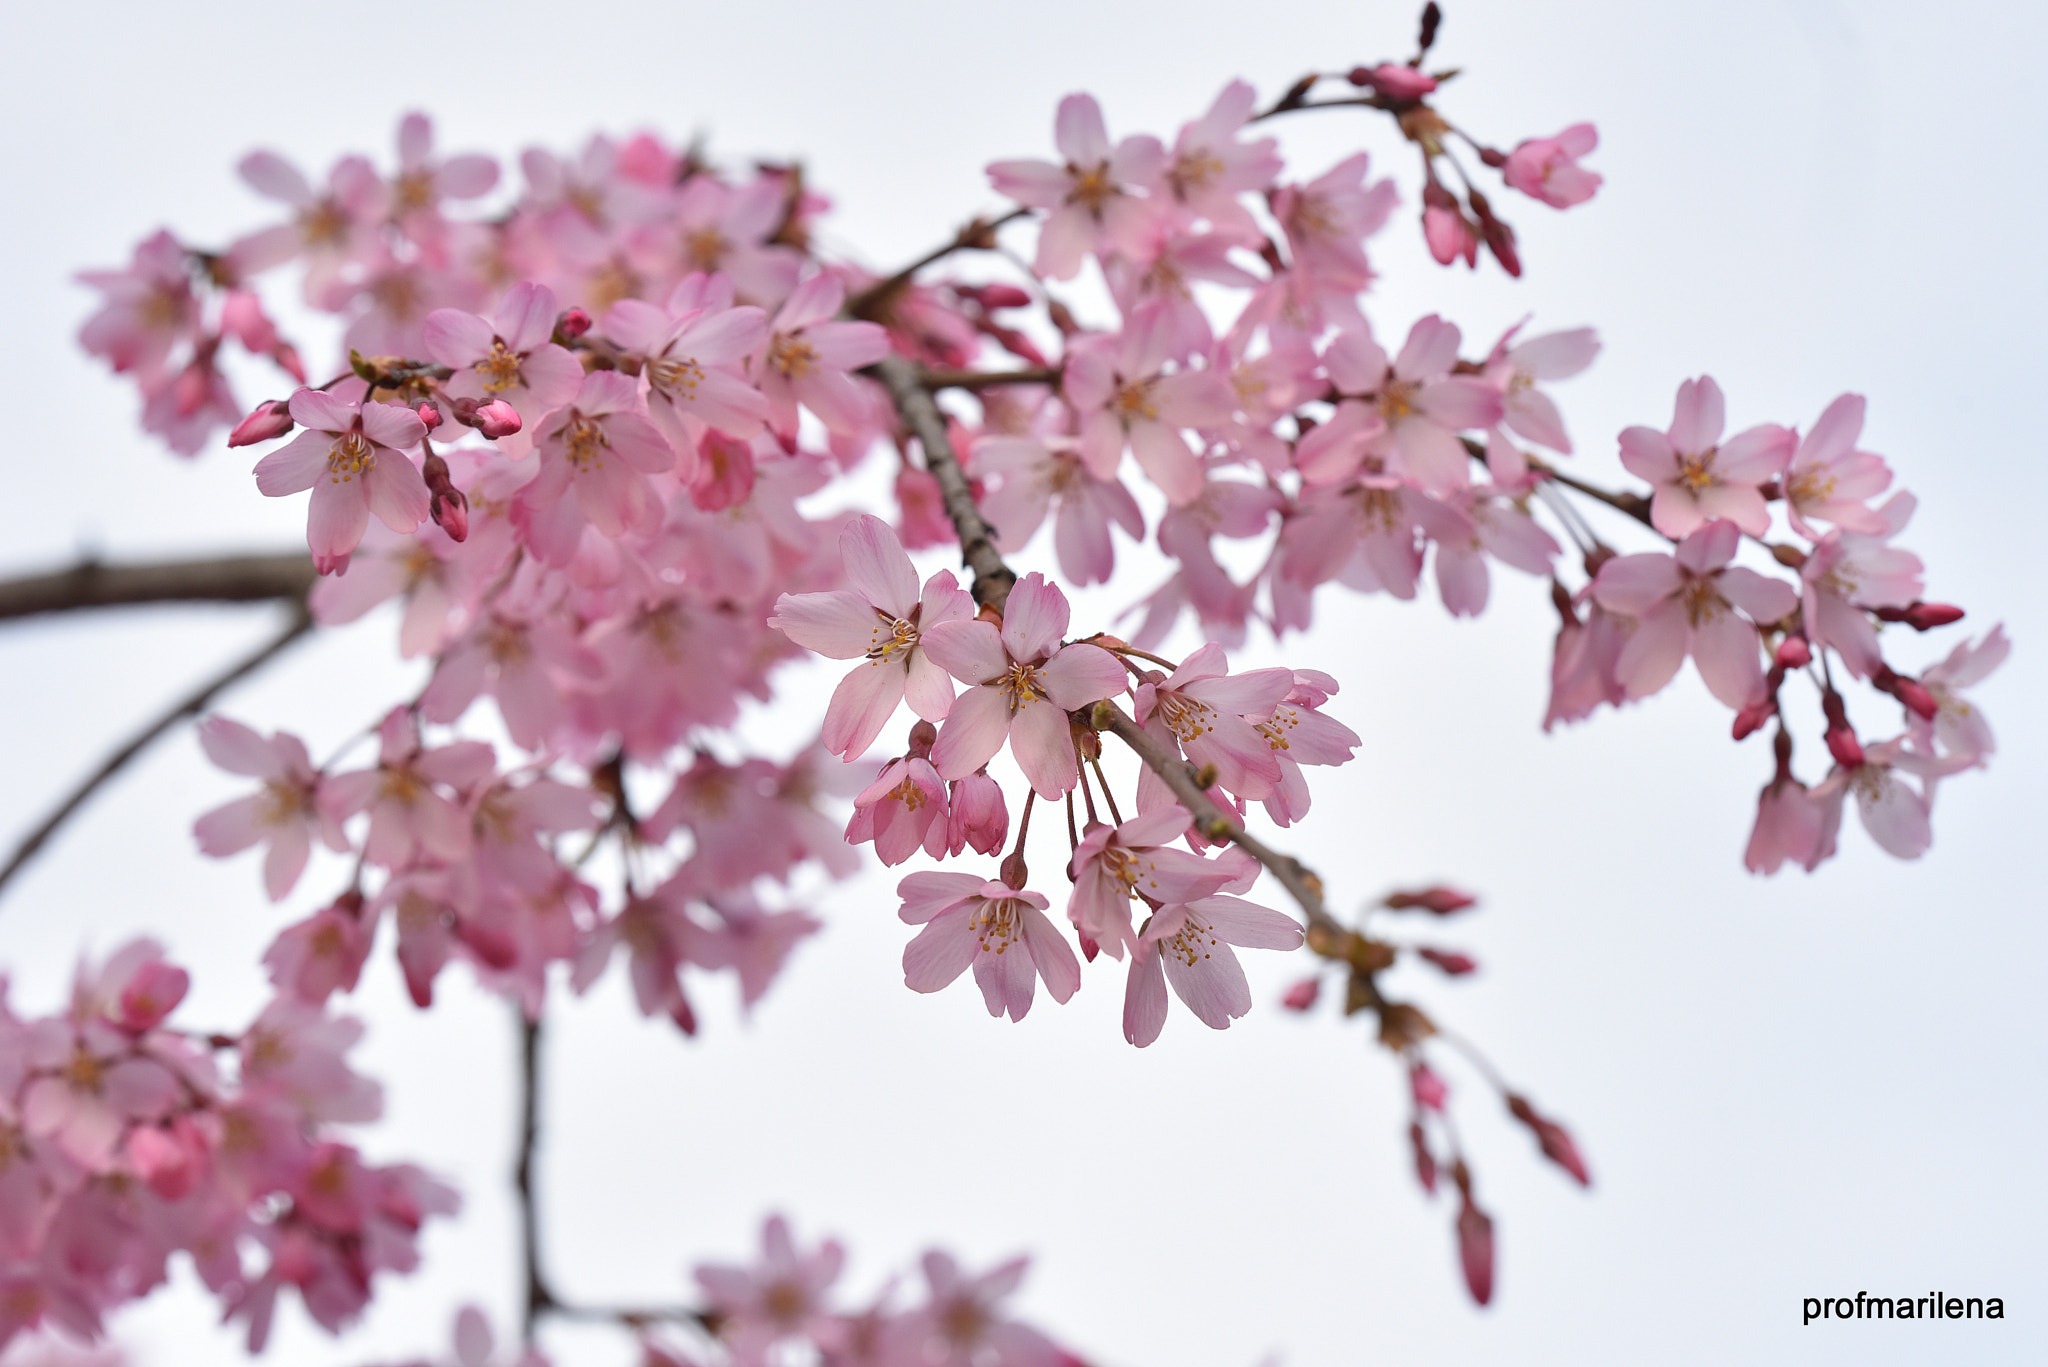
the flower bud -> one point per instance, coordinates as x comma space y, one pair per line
1303, 994
497, 419
1449, 961
1429, 1090
1425, 1161
1440, 900
1750, 719
151, 994
269, 419
1925, 616
572, 324
1475, 1250
430, 415
1552, 1137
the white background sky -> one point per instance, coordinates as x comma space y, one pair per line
1785, 1088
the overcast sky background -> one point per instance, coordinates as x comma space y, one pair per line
1785, 1088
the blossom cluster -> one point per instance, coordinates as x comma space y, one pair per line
125, 1140
588, 435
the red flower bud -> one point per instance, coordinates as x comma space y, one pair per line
1440, 900
1794, 653
1475, 1250
430, 415
1925, 616
572, 324
1751, 718
1303, 994
497, 419
1552, 1137
1449, 961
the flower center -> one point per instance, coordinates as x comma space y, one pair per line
997, 923
1275, 729
1185, 717
676, 376
1133, 402
892, 639
1397, 399
351, 455
705, 247
1697, 472
792, 355
1092, 187
500, 369
909, 794
587, 444
1703, 601
1192, 942
1194, 171
1021, 684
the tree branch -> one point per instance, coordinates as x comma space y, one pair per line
989, 379
538, 1300
905, 382
227, 579
301, 622
1214, 824
979, 235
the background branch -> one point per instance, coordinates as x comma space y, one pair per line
905, 382
301, 622
221, 579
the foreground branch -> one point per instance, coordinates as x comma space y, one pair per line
993, 579
225, 579
301, 622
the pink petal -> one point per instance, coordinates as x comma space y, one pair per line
974, 731
940, 953
1698, 417
876, 565
971, 651
1144, 997
1081, 674
1034, 619
1041, 743
861, 706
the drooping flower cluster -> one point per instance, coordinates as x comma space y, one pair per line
125, 1140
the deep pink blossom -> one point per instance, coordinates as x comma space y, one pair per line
807, 357
596, 453
1114, 864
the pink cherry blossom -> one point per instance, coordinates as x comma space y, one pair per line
1830, 480
1001, 931
780, 1297
1093, 207
1526, 410
976, 816
1114, 864
885, 622
1201, 709
1685, 604
596, 453
808, 354
285, 816
1697, 477
1190, 946
1548, 168
1849, 573
901, 811
149, 308
1959, 726
352, 456
508, 359
1031, 477
1025, 683
1123, 396
1209, 169
962, 1326
692, 354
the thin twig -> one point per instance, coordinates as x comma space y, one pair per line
978, 235
538, 1299
195, 702
905, 382
220, 579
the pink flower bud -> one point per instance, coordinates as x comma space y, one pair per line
170, 1158
1925, 616
1429, 1089
1751, 718
573, 324
1552, 1138
152, 994
978, 817
1425, 1161
1393, 80
269, 419
1908, 691
1002, 297
1303, 994
1455, 964
1794, 653
497, 419
1843, 745
1439, 900
430, 415
1475, 1250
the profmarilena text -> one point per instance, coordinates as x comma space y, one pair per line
1933, 1307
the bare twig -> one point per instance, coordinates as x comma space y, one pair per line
906, 385
538, 1299
978, 235
225, 579
195, 702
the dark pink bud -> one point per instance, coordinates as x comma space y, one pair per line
1493, 157
1926, 616
1552, 1137
1001, 296
1475, 1250
446, 503
923, 736
497, 419
1751, 718
287, 357
1450, 962
1429, 1089
1394, 81
152, 994
573, 324
1012, 870
1089, 946
267, 420
1303, 994
1425, 1161
1440, 900
430, 415
1843, 745
1794, 653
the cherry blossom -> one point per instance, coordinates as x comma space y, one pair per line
1093, 209
1696, 476
999, 930
352, 456
285, 816
1548, 168
1190, 946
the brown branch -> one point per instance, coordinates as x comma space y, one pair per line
538, 1300
990, 379
905, 382
979, 235
301, 622
1211, 820
225, 579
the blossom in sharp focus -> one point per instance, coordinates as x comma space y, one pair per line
1025, 683
884, 622
1002, 932
352, 456
1695, 476
1189, 945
